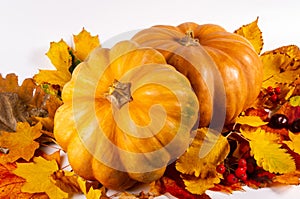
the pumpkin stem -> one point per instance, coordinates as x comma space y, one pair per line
189, 40
119, 93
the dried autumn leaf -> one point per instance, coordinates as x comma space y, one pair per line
281, 65
84, 44
62, 60
254, 121
22, 139
66, 181
294, 144
90, 192
268, 153
202, 171
288, 178
10, 184
253, 34
37, 175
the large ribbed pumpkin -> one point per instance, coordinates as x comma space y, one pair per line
126, 115
195, 50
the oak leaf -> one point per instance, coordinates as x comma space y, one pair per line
20, 144
38, 177
253, 34
268, 153
254, 121
84, 43
10, 184
202, 171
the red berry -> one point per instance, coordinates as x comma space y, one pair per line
240, 172
277, 90
244, 178
270, 89
274, 98
242, 163
231, 179
221, 168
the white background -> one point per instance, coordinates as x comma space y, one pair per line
28, 27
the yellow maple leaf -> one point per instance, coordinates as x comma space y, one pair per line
254, 121
62, 60
90, 193
294, 144
21, 143
84, 44
37, 175
253, 34
202, 170
268, 152
281, 65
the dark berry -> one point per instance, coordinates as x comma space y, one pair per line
278, 121
295, 126
274, 98
240, 172
221, 168
231, 179
242, 163
277, 90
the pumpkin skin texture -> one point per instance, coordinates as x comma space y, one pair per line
189, 47
126, 115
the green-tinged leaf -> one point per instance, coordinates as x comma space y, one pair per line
295, 101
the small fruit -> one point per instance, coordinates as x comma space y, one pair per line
295, 126
231, 179
274, 97
270, 89
242, 163
240, 172
278, 121
244, 178
221, 168
277, 90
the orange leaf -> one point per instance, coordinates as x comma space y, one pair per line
10, 184
20, 144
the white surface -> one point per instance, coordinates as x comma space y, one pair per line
27, 28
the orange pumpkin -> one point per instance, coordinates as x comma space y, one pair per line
126, 115
196, 51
